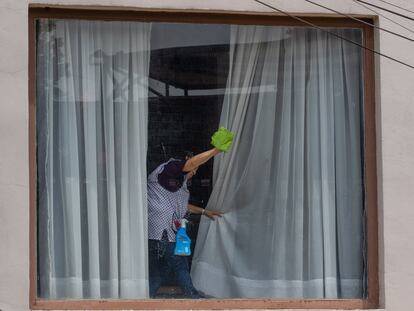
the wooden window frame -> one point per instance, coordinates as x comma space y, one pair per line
220, 17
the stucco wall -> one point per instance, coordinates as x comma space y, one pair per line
395, 122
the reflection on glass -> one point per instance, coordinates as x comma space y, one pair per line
115, 100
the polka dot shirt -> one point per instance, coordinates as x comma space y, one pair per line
164, 206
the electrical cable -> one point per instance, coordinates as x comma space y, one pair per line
334, 34
382, 15
361, 21
397, 6
387, 10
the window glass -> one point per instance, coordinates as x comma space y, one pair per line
124, 108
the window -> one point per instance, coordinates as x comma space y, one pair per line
115, 97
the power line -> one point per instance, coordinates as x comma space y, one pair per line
383, 15
397, 6
387, 10
334, 34
361, 21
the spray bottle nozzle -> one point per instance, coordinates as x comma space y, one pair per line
183, 223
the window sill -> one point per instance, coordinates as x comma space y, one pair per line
202, 304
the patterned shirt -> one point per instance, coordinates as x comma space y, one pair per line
165, 206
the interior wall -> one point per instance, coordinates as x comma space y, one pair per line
180, 124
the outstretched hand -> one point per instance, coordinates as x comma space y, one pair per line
222, 139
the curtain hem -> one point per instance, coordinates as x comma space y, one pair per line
230, 286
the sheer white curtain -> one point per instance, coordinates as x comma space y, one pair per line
92, 139
291, 188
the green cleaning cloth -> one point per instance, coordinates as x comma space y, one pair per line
222, 139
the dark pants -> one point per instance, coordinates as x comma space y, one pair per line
162, 261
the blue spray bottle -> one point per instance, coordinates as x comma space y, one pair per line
182, 240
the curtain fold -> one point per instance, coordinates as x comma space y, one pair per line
92, 115
291, 188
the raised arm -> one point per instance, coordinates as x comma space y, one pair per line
199, 159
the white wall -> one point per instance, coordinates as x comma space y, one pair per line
395, 121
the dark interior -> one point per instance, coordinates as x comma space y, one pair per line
185, 119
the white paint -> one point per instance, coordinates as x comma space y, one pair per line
395, 123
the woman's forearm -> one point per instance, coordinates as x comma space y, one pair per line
198, 210
200, 159
195, 209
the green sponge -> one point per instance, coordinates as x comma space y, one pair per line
222, 139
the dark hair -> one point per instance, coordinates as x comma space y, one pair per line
188, 154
